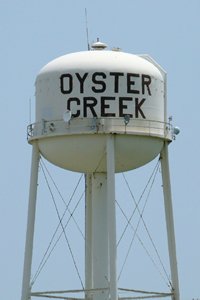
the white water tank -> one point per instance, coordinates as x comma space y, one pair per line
81, 97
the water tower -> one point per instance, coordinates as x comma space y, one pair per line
100, 112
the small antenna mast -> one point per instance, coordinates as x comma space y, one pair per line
30, 110
86, 24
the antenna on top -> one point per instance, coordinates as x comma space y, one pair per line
30, 110
86, 24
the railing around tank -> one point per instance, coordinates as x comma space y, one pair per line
125, 125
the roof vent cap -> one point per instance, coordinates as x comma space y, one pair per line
98, 45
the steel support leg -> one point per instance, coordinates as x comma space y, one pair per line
169, 220
111, 216
88, 236
30, 224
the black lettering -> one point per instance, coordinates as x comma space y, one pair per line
131, 83
81, 80
99, 82
138, 109
77, 101
89, 102
146, 80
66, 83
104, 106
116, 80
123, 106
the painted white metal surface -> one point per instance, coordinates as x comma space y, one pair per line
130, 153
105, 92
88, 236
111, 216
100, 254
68, 79
101, 251
169, 220
26, 288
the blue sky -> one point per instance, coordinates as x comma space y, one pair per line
32, 34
